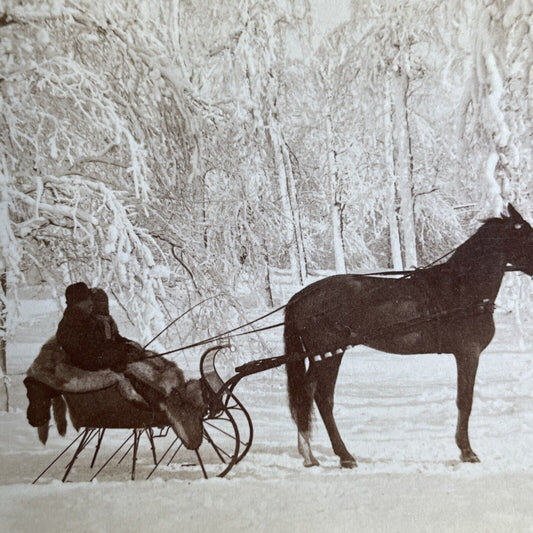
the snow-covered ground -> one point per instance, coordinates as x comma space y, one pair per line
396, 414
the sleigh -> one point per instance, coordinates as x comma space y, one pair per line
113, 429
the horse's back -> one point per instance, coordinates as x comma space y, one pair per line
331, 291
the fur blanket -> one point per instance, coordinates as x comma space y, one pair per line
52, 367
147, 383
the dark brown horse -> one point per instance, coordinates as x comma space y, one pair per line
445, 308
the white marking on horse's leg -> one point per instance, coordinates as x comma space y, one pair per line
304, 447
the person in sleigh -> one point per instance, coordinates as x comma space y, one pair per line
87, 339
89, 335
82, 333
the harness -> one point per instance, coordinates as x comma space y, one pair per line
476, 309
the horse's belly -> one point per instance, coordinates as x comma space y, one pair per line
438, 336
406, 343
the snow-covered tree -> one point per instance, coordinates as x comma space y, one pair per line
185, 150
89, 145
495, 119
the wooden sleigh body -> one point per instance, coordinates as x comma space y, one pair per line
111, 428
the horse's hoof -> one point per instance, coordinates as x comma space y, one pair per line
310, 464
469, 457
348, 463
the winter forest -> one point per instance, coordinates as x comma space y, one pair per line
178, 150
204, 160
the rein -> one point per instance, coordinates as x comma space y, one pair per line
177, 318
224, 335
407, 273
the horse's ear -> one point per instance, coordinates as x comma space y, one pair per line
514, 214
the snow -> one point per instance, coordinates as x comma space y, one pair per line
396, 414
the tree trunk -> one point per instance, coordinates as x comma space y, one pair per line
3, 332
394, 231
295, 213
404, 168
288, 229
267, 279
335, 204
392, 217
9, 256
499, 134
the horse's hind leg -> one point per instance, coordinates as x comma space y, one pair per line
304, 429
301, 388
467, 363
324, 398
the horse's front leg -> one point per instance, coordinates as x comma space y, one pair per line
467, 363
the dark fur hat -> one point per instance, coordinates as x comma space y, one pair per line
77, 292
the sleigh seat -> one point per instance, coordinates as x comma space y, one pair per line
100, 401
108, 408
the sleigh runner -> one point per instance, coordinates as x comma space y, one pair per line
446, 308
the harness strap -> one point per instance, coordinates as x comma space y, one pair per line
479, 308
260, 365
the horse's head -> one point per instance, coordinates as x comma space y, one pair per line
186, 409
519, 242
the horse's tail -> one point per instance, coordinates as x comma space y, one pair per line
300, 401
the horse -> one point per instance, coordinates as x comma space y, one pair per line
444, 308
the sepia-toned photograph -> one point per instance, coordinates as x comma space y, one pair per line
265, 266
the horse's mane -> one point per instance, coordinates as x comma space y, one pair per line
489, 232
